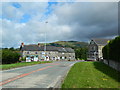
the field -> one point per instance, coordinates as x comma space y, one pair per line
9, 66
92, 75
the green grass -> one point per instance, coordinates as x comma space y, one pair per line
92, 75
9, 66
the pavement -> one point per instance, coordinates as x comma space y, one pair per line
49, 75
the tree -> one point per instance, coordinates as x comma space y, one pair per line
12, 49
81, 53
9, 56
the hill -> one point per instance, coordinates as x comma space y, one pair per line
73, 44
80, 48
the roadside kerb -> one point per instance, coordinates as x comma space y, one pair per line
60, 79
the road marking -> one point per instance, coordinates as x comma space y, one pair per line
71, 64
27, 67
54, 82
22, 75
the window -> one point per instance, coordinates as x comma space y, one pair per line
28, 52
65, 57
92, 42
60, 57
94, 48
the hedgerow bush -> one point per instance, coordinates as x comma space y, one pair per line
9, 56
112, 50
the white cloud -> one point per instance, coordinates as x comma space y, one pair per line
74, 21
89, 20
10, 12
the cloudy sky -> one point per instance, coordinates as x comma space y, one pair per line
79, 21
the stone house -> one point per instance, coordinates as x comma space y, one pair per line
95, 48
35, 52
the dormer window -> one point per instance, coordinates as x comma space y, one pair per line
91, 42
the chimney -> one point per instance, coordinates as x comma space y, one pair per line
38, 44
22, 44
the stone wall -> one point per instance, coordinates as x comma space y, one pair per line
112, 64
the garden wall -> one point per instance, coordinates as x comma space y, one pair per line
112, 64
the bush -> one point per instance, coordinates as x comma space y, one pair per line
81, 53
9, 56
112, 50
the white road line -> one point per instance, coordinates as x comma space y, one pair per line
54, 82
71, 64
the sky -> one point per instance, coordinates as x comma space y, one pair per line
66, 21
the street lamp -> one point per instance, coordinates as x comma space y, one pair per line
45, 42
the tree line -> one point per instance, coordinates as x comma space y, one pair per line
112, 50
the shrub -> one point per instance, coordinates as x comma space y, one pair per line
9, 56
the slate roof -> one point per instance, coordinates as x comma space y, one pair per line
48, 48
61, 49
30, 48
70, 50
100, 41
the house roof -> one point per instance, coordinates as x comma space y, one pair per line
69, 50
48, 48
100, 41
61, 49
30, 48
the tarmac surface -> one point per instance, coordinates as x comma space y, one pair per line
49, 75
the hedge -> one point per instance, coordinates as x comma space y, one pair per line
112, 50
9, 57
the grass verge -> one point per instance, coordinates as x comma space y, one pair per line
92, 75
9, 66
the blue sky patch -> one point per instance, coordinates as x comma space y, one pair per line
25, 18
16, 5
51, 3
48, 11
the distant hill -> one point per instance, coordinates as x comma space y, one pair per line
72, 44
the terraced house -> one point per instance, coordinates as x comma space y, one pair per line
36, 52
95, 48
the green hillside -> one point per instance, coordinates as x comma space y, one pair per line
80, 48
73, 44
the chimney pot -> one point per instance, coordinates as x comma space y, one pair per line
22, 44
39, 44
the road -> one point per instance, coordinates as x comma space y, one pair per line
36, 76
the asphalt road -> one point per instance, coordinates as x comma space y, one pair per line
36, 76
